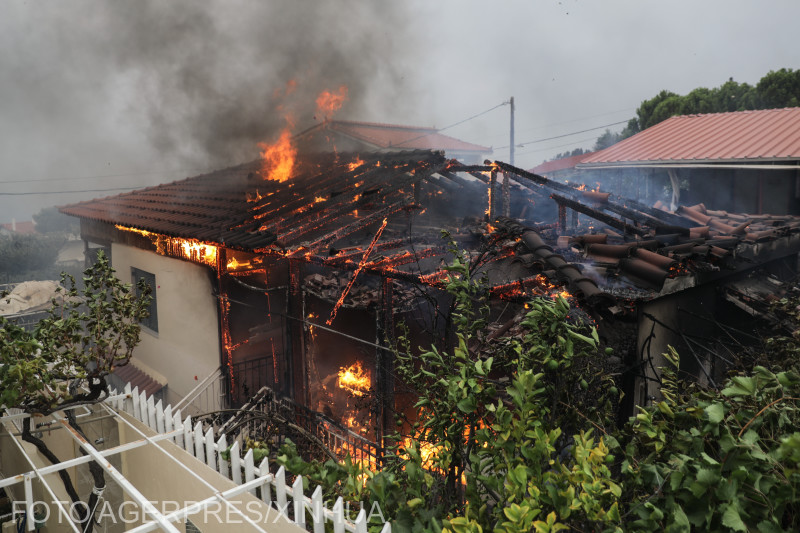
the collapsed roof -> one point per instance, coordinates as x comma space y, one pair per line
331, 209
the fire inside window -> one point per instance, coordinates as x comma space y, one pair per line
151, 322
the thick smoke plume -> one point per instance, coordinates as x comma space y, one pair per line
209, 80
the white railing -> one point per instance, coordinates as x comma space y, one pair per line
274, 490
206, 397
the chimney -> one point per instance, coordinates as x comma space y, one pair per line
14, 225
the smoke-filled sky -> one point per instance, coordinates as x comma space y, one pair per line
100, 95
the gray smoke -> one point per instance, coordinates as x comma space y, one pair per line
205, 80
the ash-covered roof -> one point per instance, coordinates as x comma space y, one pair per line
767, 135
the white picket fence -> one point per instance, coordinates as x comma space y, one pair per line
205, 447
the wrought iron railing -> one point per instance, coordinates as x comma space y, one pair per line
248, 378
338, 439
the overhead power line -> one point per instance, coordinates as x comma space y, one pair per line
520, 145
437, 130
66, 192
103, 176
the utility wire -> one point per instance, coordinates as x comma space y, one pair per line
67, 192
76, 178
520, 145
452, 125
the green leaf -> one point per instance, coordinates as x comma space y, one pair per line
467, 405
715, 413
731, 518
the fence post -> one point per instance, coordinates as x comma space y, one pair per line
159, 417
361, 522
338, 516
266, 491
135, 402
236, 463
249, 469
176, 422
187, 435
169, 424
222, 445
280, 491
151, 414
126, 402
316, 511
298, 499
143, 407
387, 527
211, 459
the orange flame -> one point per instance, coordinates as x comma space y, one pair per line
279, 158
191, 249
355, 164
354, 379
328, 102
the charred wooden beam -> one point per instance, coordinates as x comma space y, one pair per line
458, 167
455, 178
534, 178
492, 190
598, 215
360, 223
506, 196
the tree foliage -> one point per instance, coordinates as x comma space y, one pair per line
50, 220
777, 89
486, 452
22, 253
85, 335
717, 460
64, 360
520, 435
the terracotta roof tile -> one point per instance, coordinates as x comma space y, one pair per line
217, 207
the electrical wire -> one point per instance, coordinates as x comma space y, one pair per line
451, 125
67, 192
104, 176
520, 145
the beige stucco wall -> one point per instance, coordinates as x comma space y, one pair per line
187, 342
165, 483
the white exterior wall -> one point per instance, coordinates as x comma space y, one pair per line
187, 342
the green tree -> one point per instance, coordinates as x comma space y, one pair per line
486, 453
722, 460
779, 88
63, 362
23, 256
607, 139
50, 220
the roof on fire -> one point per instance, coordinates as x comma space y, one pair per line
636, 252
394, 136
768, 135
239, 208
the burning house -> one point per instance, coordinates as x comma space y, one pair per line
299, 284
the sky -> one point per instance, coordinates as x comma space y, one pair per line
99, 96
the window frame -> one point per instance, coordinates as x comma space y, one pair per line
151, 322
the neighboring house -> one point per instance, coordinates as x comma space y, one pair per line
25, 228
563, 169
745, 161
349, 136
